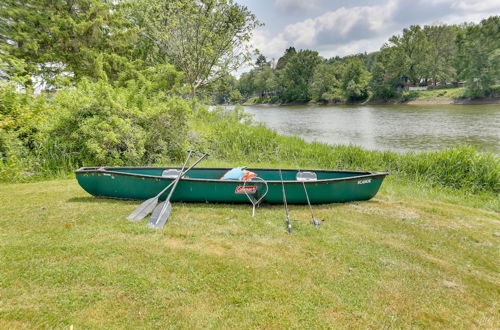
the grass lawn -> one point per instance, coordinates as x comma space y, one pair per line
411, 257
445, 93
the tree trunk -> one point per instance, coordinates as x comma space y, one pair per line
193, 99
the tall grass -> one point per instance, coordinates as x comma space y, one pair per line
230, 135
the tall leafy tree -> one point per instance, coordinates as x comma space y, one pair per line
205, 39
246, 83
356, 79
383, 84
261, 62
479, 55
441, 52
407, 54
79, 37
298, 74
326, 83
265, 81
283, 60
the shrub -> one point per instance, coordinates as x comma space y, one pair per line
103, 125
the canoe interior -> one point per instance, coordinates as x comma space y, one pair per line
217, 173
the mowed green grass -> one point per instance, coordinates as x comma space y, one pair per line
408, 258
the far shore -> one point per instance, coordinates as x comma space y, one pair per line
489, 100
436, 101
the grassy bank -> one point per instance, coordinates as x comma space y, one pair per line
228, 137
436, 96
411, 257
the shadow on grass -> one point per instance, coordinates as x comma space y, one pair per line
99, 200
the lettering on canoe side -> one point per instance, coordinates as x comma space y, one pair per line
364, 181
246, 190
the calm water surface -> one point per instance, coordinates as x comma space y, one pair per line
398, 128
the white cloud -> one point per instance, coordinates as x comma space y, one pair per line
302, 33
342, 24
296, 5
352, 47
270, 45
477, 5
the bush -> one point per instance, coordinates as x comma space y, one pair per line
87, 125
20, 116
408, 96
102, 125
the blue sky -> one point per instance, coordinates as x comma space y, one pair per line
344, 27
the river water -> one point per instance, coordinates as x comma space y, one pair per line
399, 128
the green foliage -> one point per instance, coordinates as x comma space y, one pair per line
100, 124
442, 51
90, 124
21, 116
355, 80
408, 53
459, 168
297, 76
15, 163
326, 86
429, 55
283, 60
84, 37
479, 56
383, 85
223, 90
203, 39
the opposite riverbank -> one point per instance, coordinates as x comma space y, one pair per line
437, 96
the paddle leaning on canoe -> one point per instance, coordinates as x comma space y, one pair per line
198, 184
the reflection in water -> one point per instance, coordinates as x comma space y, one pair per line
395, 127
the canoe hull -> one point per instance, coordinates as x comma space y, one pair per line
127, 185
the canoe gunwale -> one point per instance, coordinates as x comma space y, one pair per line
361, 174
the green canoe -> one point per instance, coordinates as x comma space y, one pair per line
204, 185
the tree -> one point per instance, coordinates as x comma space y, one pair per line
246, 83
83, 38
325, 85
283, 60
265, 81
478, 59
298, 74
204, 39
442, 51
407, 54
383, 84
355, 80
223, 89
261, 62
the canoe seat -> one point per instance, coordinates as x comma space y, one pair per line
171, 173
306, 176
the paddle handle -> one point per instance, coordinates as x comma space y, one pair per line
183, 173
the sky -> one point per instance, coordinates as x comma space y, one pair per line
343, 27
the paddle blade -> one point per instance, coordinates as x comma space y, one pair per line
160, 215
143, 210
